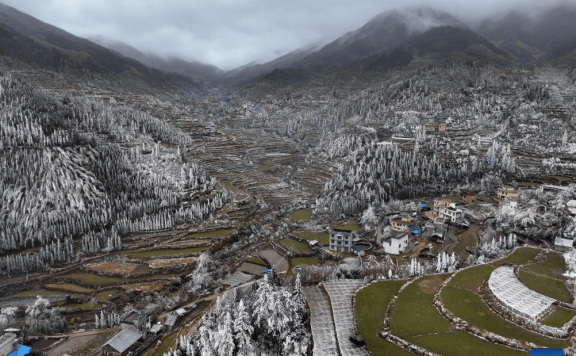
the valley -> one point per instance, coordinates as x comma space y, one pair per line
406, 189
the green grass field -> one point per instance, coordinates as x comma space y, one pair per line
165, 252
106, 295
297, 244
265, 167
304, 261
229, 186
559, 317
321, 237
352, 226
216, 233
256, 260
460, 343
85, 306
471, 278
166, 343
94, 279
467, 305
371, 305
521, 255
554, 266
301, 215
548, 286
414, 312
468, 238
69, 287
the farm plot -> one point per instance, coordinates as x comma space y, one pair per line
416, 319
321, 237
321, 322
341, 292
118, 267
547, 277
371, 305
69, 288
468, 306
172, 262
559, 317
151, 253
237, 278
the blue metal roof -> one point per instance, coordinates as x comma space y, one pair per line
424, 205
22, 350
415, 231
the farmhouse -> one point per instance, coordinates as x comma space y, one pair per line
441, 203
134, 319
341, 240
122, 343
436, 127
507, 193
401, 224
396, 244
451, 213
468, 196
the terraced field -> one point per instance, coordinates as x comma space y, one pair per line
416, 319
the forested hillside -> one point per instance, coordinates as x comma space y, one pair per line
76, 168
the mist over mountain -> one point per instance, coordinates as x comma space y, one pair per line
533, 38
191, 69
45, 46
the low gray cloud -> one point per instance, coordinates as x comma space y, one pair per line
229, 33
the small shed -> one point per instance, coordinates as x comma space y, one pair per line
171, 320
563, 245
156, 329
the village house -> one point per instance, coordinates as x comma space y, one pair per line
341, 240
436, 127
440, 204
396, 244
435, 230
451, 213
401, 223
507, 193
123, 343
138, 320
468, 196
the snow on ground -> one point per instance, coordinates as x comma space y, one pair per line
341, 292
321, 322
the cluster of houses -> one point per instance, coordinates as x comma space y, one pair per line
409, 226
137, 327
432, 223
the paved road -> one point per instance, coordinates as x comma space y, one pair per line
341, 292
321, 322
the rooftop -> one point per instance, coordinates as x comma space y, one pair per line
124, 339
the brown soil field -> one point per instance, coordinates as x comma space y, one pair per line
145, 287
119, 267
169, 262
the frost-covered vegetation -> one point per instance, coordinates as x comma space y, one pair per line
371, 174
65, 174
263, 319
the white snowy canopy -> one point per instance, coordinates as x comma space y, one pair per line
515, 295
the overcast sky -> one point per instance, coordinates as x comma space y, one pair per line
231, 33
